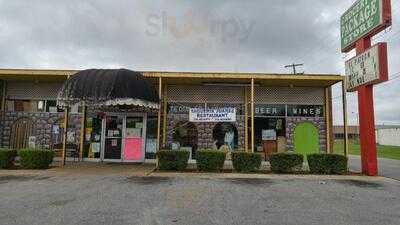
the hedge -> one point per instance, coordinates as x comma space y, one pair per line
35, 158
173, 159
327, 163
246, 162
7, 157
286, 162
210, 160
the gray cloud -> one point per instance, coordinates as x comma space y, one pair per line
251, 36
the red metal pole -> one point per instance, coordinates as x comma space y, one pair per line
369, 162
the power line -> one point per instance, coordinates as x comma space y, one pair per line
333, 42
382, 85
393, 35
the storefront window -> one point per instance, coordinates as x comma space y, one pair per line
57, 136
267, 124
225, 134
51, 106
151, 137
92, 142
31, 105
185, 135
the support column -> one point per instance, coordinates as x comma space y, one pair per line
252, 115
3, 95
369, 161
165, 104
159, 116
83, 129
328, 119
345, 128
246, 121
64, 149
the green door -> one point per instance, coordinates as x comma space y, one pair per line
306, 139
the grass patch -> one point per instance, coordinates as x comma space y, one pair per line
389, 152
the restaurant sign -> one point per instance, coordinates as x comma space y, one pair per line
370, 67
222, 114
364, 18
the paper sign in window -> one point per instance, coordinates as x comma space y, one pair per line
133, 148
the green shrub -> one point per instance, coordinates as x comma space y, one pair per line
327, 163
286, 162
35, 158
173, 160
246, 162
210, 160
7, 157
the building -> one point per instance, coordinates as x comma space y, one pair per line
243, 111
353, 132
388, 135
385, 134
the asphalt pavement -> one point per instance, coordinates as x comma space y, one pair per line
102, 197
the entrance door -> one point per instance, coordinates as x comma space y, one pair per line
113, 138
306, 139
134, 139
124, 138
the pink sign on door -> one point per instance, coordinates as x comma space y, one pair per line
133, 148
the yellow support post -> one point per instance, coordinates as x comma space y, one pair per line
252, 115
328, 127
82, 136
159, 116
3, 95
64, 149
346, 139
246, 122
165, 102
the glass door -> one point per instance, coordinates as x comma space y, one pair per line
134, 139
113, 138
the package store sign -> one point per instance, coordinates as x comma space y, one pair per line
363, 18
223, 114
369, 67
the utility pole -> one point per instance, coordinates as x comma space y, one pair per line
294, 67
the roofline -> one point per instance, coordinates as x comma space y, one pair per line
171, 74
261, 76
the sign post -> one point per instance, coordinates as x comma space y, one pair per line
359, 23
369, 162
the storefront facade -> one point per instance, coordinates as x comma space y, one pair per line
250, 112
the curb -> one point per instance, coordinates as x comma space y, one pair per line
269, 176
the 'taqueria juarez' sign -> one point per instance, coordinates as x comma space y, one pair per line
223, 114
370, 67
363, 18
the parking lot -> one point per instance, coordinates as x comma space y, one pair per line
125, 195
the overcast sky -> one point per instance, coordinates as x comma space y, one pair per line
169, 35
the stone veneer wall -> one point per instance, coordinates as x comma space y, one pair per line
204, 130
319, 123
42, 126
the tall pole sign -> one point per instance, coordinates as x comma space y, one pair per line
363, 20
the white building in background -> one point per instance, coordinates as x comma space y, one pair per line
388, 135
